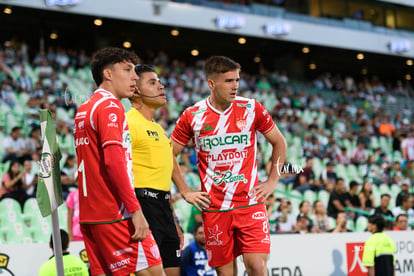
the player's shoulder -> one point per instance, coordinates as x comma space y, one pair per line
198, 107
245, 102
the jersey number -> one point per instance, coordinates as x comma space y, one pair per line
81, 169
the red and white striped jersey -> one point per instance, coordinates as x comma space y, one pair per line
226, 147
100, 122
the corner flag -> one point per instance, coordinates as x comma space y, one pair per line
49, 188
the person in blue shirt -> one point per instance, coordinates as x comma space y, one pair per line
194, 261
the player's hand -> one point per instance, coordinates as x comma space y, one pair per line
141, 225
200, 200
263, 190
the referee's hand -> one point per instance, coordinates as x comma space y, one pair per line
141, 225
201, 200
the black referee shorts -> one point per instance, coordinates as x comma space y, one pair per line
157, 211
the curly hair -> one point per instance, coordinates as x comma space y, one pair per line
107, 57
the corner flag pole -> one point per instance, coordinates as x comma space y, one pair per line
49, 189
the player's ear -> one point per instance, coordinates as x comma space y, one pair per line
107, 74
211, 83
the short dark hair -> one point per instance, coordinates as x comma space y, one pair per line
401, 215
377, 220
387, 195
198, 225
352, 184
143, 68
64, 237
219, 65
107, 57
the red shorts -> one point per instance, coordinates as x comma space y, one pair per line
111, 250
231, 233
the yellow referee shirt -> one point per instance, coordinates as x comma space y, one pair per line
152, 156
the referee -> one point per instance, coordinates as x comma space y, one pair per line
379, 249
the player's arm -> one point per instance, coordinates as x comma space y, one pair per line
116, 168
191, 197
279, 147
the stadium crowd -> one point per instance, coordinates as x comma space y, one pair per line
348, 156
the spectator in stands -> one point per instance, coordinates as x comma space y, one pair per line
407, 146
405, 187
405, 208
386, 128
44, 70
305, 180
69, 174
38, 91
337, 199
33, 143
408, 172
194, 259
71, 263
15, 146
12, 185
396, 176
29, 179
341, 223
342, 157
401, 223
372, 171
24, 82
32, 112
328, 177
352, 194
302, 224
7, 95
285, 220
382, 209
358, 154
319, 217
366, 197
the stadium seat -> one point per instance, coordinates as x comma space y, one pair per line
332, 222
323, 196
350, 225
361, 224
310, 196
15, 233
10, 204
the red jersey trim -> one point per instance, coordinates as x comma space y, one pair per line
179, 142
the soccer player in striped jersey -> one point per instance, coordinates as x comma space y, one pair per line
223, 129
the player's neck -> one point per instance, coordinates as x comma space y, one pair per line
220, 106
146, 111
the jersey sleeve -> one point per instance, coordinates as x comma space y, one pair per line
264, 122
368, 257
182, 132
109, 120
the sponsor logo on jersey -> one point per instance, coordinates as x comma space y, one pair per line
81, 124
266, 240
228, 141
112, 117
81, 141
117, 265
228, 177
213, 237
259, 215
112, 104
226, 156
122, 251
153, 134
207, 127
